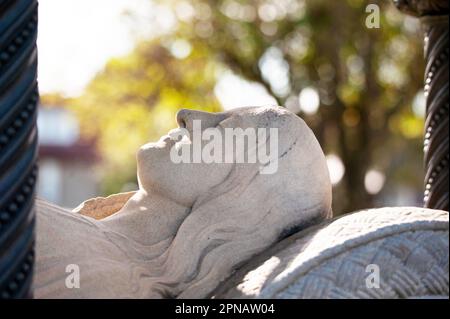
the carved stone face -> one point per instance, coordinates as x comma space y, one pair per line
184, 182
180, 182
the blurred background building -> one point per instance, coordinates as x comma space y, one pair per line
67, 173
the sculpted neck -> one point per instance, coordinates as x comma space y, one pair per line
147, 218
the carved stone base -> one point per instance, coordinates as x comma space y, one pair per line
407, 248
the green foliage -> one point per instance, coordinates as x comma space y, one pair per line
367, 79
134, 101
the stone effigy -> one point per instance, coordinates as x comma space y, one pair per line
190, 226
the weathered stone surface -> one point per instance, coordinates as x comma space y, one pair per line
189, 225
409, 246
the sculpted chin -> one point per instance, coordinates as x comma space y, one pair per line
190, 225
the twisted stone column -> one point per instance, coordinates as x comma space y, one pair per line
434, 18
18, 145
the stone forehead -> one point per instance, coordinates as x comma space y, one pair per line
264, 116
257, 110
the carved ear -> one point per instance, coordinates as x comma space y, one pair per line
101, 207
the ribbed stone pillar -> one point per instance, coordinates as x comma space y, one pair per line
18, 145
433, 15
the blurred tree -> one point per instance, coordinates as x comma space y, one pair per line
134, 100
366, 79
353, 85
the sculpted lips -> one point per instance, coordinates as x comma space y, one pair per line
176, 134
179, 136
163, 142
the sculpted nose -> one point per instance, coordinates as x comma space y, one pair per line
185, 118
181, 117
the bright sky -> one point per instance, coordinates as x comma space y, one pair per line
77, 37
